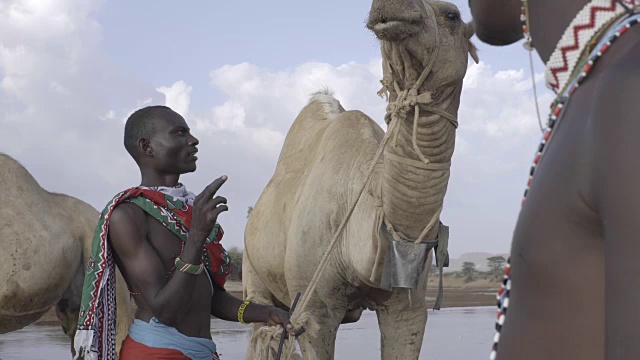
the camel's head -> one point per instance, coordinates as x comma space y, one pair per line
412, 30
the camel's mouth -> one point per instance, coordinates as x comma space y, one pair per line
394, 29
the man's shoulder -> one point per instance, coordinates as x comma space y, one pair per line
127, 217
126, 209
621, 76
616, 95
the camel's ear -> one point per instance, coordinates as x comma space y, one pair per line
469, 30
473, 51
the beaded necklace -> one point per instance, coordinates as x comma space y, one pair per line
595, 16
590, 51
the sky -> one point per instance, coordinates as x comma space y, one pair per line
72, 71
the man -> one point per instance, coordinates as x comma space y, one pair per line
166, 243
574, 257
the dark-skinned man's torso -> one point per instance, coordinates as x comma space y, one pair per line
557, 301
196, 321
174, 305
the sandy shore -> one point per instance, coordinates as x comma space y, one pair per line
459, 294
456, 294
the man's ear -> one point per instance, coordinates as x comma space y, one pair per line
145, 147
473, 51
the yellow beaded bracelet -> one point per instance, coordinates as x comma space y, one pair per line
241, 312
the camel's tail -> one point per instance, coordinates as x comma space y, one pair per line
330, 104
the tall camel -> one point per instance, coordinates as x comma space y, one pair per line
324, 162
46, 241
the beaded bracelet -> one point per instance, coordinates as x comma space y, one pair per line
188, 268
241, 312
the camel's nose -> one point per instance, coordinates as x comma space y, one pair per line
395, 19
383, 11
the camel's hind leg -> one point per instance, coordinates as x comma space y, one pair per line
255, 291
402, 325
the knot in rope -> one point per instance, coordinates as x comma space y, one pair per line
263, 344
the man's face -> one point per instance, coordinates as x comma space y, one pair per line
172, 145
497, 22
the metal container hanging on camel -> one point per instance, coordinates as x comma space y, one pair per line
405, 260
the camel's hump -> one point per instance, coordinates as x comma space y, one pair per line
329, 103
14, 175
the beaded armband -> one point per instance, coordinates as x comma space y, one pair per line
243, 306
188, 268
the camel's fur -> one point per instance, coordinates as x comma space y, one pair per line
323, 163
46, 242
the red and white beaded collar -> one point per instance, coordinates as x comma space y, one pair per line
589, 21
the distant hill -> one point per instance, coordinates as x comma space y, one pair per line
478, 258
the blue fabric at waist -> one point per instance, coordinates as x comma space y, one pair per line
157, 335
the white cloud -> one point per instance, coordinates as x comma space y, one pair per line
262, 104
177, 97
62, 108
496, 139
500, 104
60, 99
275, 98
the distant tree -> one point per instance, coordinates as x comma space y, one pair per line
496, 266
235, 256
468, 271
249, 210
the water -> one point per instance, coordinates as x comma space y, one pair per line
452, 334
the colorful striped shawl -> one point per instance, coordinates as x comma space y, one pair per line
96, 334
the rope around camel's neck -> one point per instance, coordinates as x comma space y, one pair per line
411, 186
406, 102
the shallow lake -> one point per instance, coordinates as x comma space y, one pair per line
452, 334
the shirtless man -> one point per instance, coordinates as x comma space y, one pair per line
174, 300
574, 257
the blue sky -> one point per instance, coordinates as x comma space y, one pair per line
161, 41
71, 71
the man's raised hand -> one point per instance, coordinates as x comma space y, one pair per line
206, 209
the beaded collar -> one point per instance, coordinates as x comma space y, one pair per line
595, 16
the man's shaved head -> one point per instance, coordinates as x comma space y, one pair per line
141, 125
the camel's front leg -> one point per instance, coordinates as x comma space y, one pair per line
402, 325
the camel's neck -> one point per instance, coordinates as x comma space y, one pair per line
412, 196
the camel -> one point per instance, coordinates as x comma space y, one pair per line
46, 240
323, 163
